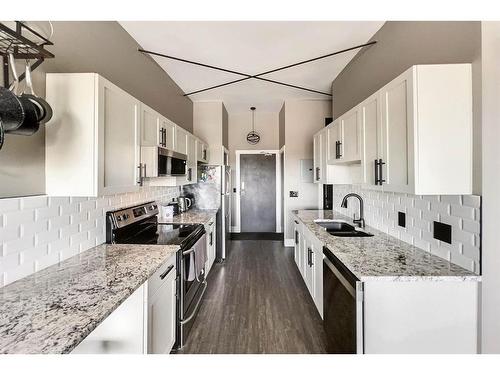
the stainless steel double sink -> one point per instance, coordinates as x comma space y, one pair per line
341, 228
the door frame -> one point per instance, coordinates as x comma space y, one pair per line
237, 227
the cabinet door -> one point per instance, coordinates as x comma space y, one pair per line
320, 156
296, 247
350, 145
122, 332
161, 317
317, 157
335, 140
191, 177
371, 130
180, 140
118, 140
397, 127
309, 266
150, 127
169, 133
201, 151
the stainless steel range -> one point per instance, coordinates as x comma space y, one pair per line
139, 225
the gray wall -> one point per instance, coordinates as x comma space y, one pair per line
282, 126
225, 127
105, 48
402, 44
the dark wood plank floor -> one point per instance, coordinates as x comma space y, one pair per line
257, 302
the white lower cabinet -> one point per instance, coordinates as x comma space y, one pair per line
122, 332
308, 255
143, 323
387, 316
161, 309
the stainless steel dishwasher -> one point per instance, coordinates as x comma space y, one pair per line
342, 307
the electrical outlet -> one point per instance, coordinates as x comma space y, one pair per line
294, 194
401, 219
442, 232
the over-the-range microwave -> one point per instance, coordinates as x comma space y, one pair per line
171, 163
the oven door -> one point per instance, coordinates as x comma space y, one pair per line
190, 292
171, 163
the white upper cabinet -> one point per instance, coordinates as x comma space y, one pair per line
151, 134
92, 143
191, 176
371, 138
412, 136
425, 146
201, 151
335, 140
320, 156
181, 140
350, 145
156, 130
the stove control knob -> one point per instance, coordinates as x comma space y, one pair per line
126, 216
118, 218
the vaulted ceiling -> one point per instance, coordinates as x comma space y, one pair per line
251, 48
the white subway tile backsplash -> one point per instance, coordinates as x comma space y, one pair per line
7, 205
15, 218
34, 202
461, 212
472, 201
39, 231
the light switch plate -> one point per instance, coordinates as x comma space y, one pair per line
294, 194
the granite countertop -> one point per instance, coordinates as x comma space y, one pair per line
53, 310
192, 216
382, 256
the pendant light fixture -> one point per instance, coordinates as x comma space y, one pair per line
253, 137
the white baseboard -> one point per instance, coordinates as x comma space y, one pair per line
289, 242
234, 229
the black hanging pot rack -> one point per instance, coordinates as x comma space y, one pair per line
21, 114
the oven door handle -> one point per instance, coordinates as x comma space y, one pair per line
190, 317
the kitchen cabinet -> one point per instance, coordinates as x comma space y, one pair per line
425, 134
161, 309
412, 136
298, 248
151, 132
320, 157
192, 162
156, 130
308, 256
344, 138
181, 140
201, 151
385, 314
168, 129
335, 136
93, 140
370, 111
122, 332
350, 146
211, 244
144, 323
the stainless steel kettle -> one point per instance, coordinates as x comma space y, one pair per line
184, 203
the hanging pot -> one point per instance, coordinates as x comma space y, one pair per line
18, 114
43, 108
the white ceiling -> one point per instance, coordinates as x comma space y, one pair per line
251, 48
